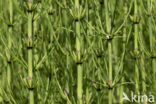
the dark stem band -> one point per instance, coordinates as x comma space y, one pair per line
79, 63
29, 47
31, 89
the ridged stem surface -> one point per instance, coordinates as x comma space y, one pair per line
136, 45
108, 29
79, 66
30, 56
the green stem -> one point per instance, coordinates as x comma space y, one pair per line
30, 55
136, 46
142, 64
152, 42
108, 26
79, 67
67, 55
9, 43
124, 49
124, 43
110, 72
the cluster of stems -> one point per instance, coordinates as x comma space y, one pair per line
45, 40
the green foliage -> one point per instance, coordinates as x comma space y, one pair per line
76, 51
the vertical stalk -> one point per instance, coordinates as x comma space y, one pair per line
110, 72
122, 64
87, 92
67, 55
79, 66
151, 36
30, 52
124, 49
136, 45
108, 26
116, 48
142, 63
143, 72
9, 43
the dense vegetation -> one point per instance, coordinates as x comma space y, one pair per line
77, 51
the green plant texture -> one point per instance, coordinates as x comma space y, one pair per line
77, 51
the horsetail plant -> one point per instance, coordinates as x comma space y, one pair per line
136, 50
124, 49
99, 54
108, 29
79, 66
151, 37
30, 50
142, 61
10, 26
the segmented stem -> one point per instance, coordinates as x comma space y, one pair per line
108, 26
79, 66
136, 45
30, 55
